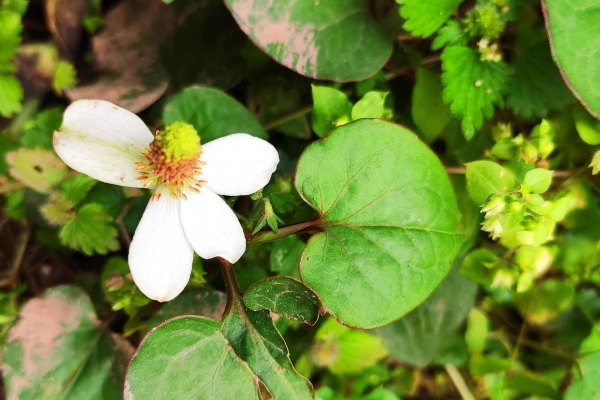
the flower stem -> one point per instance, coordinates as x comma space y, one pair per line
459, 382
231, 286
268, 236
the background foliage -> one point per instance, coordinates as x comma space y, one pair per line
431, 231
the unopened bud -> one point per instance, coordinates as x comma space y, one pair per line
518, 140
530, 222
529, 154
503, 279
494, 205
515, 206
493, 226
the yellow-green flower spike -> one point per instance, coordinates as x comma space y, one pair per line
179, 141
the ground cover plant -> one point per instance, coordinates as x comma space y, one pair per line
300, 199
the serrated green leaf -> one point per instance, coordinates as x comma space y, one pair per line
423, 18
10, 36
77, 188
110, 197
538, 180
427, 101
90, 231
331, 108
472, 86
372, 105
417, 337
65, 77
536, 86
449, 35
71, 358
574, 39
188, 358
119, 288
11, 94
284, 296
485, 178
330, 40
38, 132
380, 226
212, 112
255, 339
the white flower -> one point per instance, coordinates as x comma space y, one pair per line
186, 214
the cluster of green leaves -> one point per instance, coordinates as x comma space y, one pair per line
369, 273
71, 202
11, 91
476, 76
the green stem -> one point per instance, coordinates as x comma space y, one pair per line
459, 382
269, 236
231, 286
286, 118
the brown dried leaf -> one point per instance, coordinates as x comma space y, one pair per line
126, 56
64, 21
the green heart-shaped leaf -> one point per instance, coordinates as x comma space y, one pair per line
325, 40
188, 358
574, 38
417, 338
391, 225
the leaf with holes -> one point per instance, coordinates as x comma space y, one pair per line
284, 296
320, 39
574, 39
57, 350
390, 221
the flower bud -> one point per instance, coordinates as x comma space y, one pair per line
493, 226
529, 154
515, 206
518, 140
503, 279
530, 222
494, 205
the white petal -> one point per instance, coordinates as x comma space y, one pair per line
211, 226
160, 256
238, 164
103, 141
